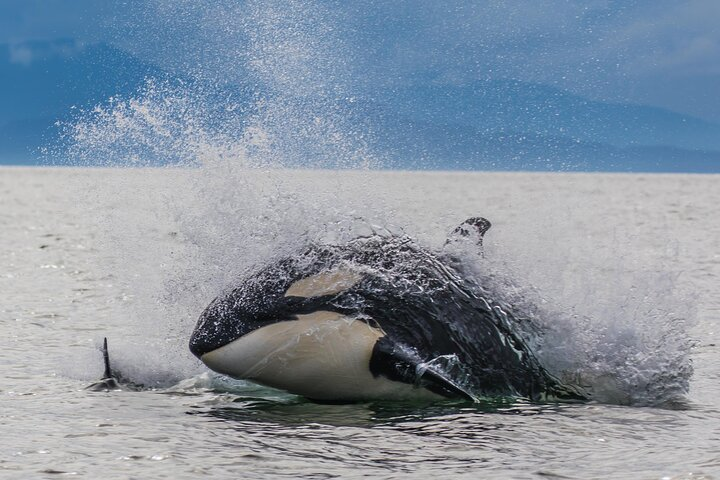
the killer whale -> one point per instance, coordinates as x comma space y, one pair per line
377, 318
112, 379
108, 381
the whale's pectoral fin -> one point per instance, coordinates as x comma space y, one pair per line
402, 365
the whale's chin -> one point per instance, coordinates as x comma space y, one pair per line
321, 356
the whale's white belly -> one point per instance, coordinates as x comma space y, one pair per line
323, 355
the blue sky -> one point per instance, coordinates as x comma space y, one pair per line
659, 53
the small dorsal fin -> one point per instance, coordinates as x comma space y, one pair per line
112, 379
108, 382
106, 359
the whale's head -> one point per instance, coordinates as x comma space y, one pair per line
279, 298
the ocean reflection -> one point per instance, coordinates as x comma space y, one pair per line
298, 411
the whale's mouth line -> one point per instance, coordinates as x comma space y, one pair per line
201, 346
203, 343
323, 355
219, 328
201, 353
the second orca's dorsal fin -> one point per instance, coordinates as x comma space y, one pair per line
106, 359
113, 379
108, 382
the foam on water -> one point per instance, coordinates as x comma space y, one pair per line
225, 203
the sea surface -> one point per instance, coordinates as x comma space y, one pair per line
626, 266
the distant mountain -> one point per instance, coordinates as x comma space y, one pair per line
495, 124
414, 145
507, 124
20, 140
512, 106
40, 83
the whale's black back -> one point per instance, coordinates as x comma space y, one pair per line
422, 303
433, 318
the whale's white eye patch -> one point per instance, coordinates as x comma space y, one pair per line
325, 283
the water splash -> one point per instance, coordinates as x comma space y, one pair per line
276, 91
263, 84
600, 315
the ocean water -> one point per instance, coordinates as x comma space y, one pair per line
624, 270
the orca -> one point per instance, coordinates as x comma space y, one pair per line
108, 381
112, 380
377, 318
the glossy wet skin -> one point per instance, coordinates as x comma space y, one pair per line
302, 330
418, 308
